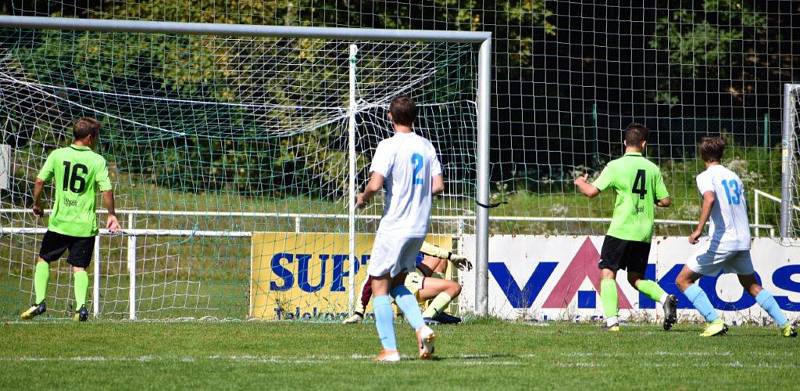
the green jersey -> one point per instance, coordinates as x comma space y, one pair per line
639, 186
78, 174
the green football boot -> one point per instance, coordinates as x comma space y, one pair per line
717, 327
789, 330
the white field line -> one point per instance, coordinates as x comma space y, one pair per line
581, 364
575, 360
655, 353
471, 360
642, 364
716, 360
661, 353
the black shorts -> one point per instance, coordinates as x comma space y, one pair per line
80, 249
624, 254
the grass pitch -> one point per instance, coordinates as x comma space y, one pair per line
479, 354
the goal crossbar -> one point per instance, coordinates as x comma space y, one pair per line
137, 26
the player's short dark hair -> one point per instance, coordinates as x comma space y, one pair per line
86, 126
636, 134
711, 149
404, 110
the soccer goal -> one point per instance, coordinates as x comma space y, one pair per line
790, 203
236, 152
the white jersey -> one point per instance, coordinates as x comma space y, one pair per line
729, 229
408, 163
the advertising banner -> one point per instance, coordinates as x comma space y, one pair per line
556, 277
306, 275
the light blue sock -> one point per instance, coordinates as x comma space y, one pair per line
768, 303
382, 306
408, 304
700, 301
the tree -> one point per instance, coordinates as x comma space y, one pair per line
702, 40
214, 69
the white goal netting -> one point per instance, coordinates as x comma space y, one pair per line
212, 138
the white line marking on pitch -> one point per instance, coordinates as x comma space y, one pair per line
315, 359
656, 353
471, 360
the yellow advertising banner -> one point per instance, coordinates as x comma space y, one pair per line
307, 275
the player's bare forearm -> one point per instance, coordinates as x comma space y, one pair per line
437, 185
38, 186
588, 190
374, 185
108, 202
363, 198
664, 202
112, 223
705, 210
585, 187
705, 213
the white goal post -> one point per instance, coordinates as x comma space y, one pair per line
789, 163
483, 98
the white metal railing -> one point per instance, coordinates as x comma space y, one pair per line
298, 217
757, 210
131, 232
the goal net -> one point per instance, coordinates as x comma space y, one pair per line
229, 159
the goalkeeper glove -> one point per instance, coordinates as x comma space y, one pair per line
461, 262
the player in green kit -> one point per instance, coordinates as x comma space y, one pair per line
639, 187
78, 174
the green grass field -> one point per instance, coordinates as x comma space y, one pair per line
105, 354
479, 354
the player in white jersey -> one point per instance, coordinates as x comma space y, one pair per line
728, 247
406, 166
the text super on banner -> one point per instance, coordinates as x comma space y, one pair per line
556, 277
307, 275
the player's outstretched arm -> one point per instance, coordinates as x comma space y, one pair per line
705, 211
374, 185
434, 251
108, 201
585, 187
38, 186
461, 262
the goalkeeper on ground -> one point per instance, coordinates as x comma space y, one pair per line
426, 284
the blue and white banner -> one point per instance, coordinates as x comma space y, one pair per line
556, 278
